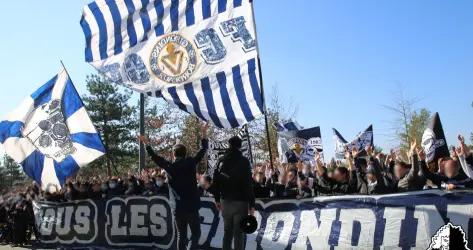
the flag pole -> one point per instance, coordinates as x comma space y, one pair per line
142, 131
262, 88
247, 134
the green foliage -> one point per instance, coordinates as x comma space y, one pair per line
417, 123
113, 116
10, 173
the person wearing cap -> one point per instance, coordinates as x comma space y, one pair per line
234, 194
181, 177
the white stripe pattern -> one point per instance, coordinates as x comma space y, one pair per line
222, 86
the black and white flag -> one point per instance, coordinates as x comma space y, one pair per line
300, 145
287, 125
340, 144
360, 142
218, 148
434, 141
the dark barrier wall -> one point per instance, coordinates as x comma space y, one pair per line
405, 221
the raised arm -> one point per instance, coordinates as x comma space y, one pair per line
414, 172
462, 152
436, 179
160, 161
204, 145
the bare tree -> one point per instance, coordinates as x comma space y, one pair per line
409, 122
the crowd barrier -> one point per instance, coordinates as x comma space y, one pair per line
406, 221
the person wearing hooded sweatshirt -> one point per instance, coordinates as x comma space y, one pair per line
234, 194
181, 177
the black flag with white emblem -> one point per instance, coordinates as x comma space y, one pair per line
340, 144
434, 141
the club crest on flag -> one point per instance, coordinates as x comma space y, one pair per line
173, 59
299, 145
50, 134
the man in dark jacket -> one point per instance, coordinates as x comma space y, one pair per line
233, 184
181, 177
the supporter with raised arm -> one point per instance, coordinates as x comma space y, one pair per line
453, 178
343, 182
376, 183
407, 176
182, 181
464, 157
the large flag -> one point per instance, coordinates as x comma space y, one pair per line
197, 54
434, 141
218, 148
300, 145
50, 134
340, 144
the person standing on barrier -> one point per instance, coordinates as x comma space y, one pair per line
234, 195
181, 175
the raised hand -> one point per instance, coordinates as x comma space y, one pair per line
461, 139
369, 150
463, 147
354, 152
459, 151
317, 157
203, 129
413, 147
420, 153
299, 166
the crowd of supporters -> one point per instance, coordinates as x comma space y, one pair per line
365, 173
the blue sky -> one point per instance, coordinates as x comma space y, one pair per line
340, 61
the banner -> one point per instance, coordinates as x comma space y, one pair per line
409, 221
218, 148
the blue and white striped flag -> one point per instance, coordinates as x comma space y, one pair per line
200, 55
50, 134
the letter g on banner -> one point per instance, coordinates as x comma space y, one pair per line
139, 221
